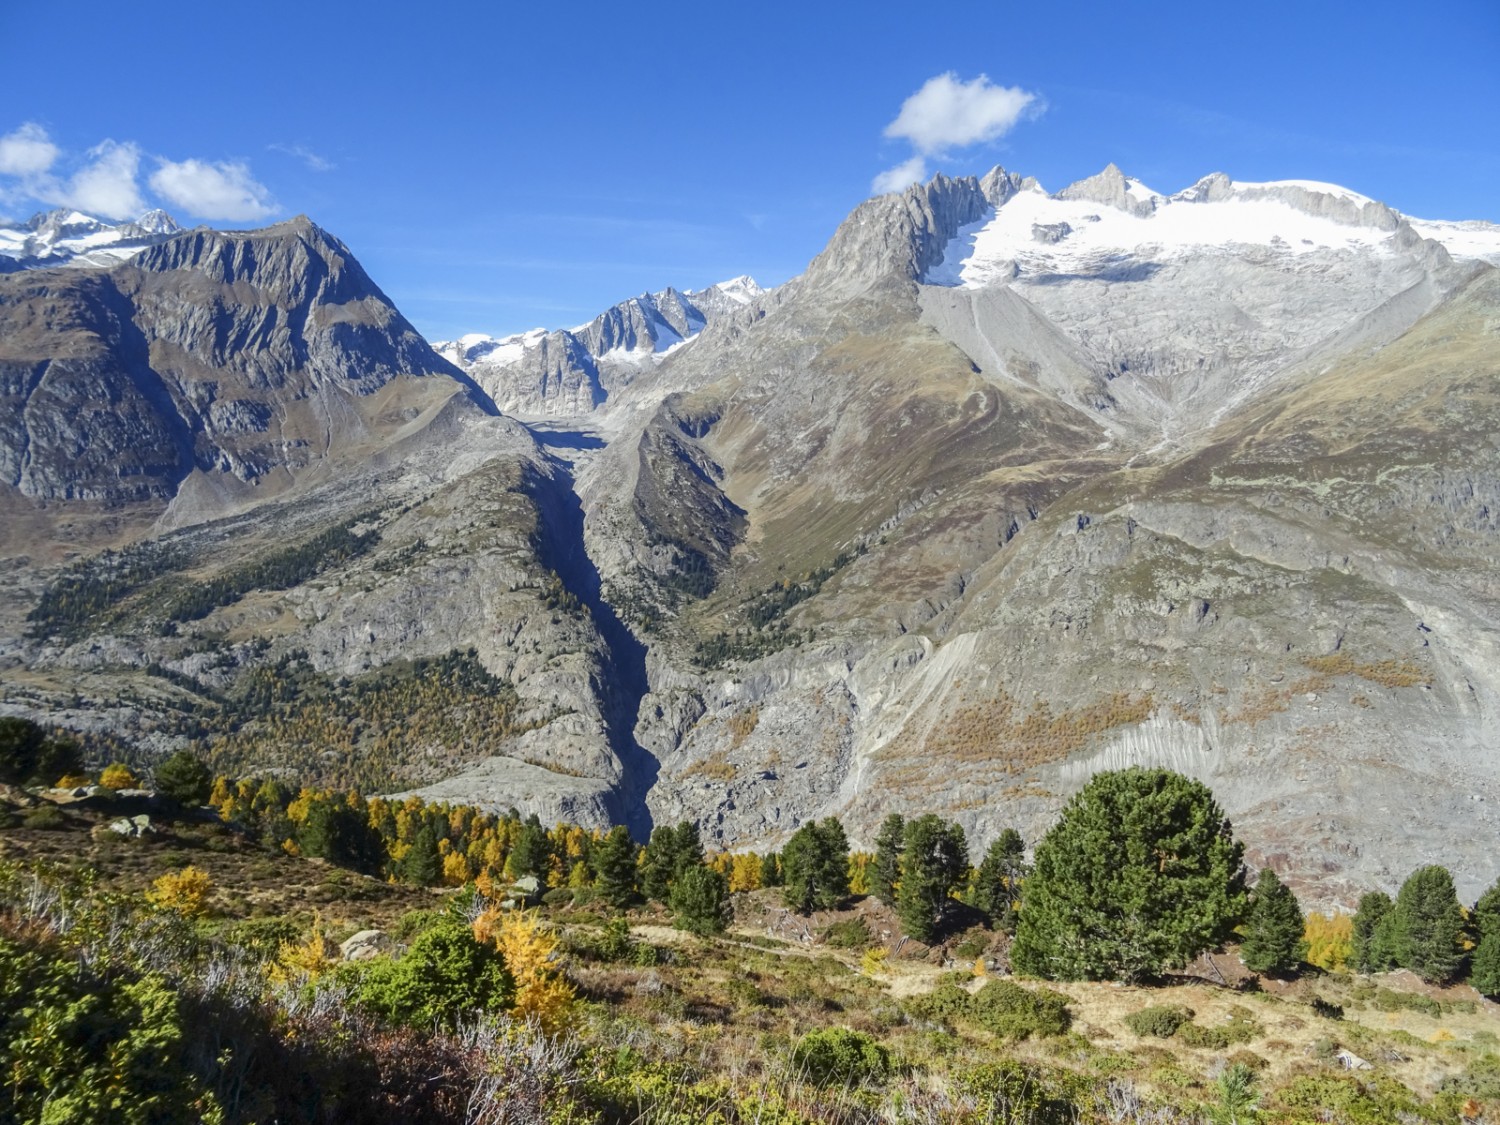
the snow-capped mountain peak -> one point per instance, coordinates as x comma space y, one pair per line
1100, 222
65, 237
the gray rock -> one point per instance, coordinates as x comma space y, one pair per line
366, 945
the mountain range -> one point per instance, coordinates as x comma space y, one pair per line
1007, 487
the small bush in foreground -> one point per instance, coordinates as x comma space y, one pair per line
1017, 1013
836, 1054
1159, 1020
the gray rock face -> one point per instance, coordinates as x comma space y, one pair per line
1112, 189
244, 356
573, 372
1203, 576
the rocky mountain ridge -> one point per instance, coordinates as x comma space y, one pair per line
570, 372
65, 237
1007, 487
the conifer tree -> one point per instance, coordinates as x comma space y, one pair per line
1428, 925
1485, 917
1373, 949
659, 864
700, 901
934, 860
997, 887
422, 864
770, 869
1484, 968
1140, 874
184, 778
1274, 928
887, 867
532, 854
689, 851
815, 867
613, 859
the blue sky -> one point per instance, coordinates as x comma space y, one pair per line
498, 166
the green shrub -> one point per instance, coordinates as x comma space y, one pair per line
972, 947
1011, 1091
77, 1049
1480, 1079
443, 976
263, 937
1159, 1020
45, 816
850, 933
1209, 1038
1387, 1000
948, 1001
415, 922
1014, 1012
836, 1054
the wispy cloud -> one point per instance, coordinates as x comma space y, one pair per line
313, 160
949, 113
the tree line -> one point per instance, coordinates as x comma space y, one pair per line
1140, 874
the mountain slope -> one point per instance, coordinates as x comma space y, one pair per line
992, 535
212, 370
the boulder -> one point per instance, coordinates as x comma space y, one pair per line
366, 945
133, 827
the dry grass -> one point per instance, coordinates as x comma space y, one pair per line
1386, 673
996, 734
742, 725
716, 767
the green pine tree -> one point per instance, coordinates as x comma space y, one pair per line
815, 867
1372, 949
659, 865
700, 901
885, 872
183, 778
614, 862
1484, 968
689, 850
20, 742
1428, 925
422, 865
770, 869
1274, 928
1140, 874
997, 886
532, 854
934, 860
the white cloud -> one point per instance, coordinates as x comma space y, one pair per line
949, 113
28, 151
105, 186
900, 177
212, 190
315, 162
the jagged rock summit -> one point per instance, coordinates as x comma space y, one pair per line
571, 372
66, 237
